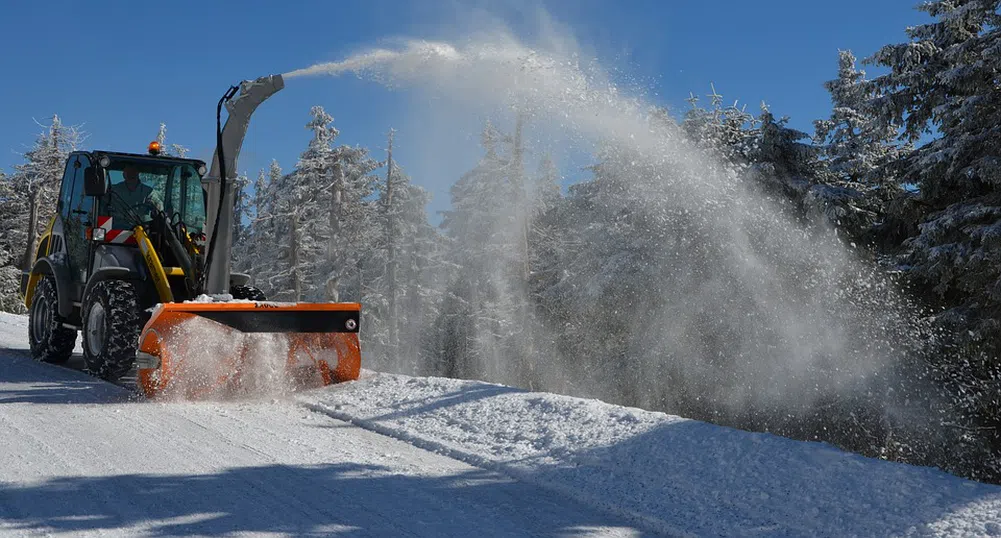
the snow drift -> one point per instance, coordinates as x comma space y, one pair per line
676, 476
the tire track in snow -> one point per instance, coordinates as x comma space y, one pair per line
637, 518
80, 459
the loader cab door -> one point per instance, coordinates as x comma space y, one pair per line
76, 209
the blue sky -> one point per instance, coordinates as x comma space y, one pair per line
120, 68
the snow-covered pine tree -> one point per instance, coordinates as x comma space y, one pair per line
241, 224
943, 79
860, 154
401, 296
322, 217
544, 239
37, 180
389, 201
161, 137
791, 172
728, 131
174, 150
351, 228
13, 215
423, 269
264, 245
294, 215
944, 82
547, 247
297, 213
614, 253
782, 147
481, 335
857, 148
546, 190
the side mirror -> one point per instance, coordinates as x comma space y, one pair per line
94, 183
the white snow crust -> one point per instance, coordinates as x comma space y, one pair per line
398, 455
670, 474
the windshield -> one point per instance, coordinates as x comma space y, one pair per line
137, 187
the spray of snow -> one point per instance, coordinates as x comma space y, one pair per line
790, 310
217, 363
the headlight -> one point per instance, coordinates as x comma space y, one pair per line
202, 170
104, 161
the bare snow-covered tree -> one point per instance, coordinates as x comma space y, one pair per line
175, 150
38, 179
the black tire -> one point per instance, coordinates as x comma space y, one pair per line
111, 325
247, 293
48, 339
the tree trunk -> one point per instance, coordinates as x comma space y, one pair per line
294, 245
333, 243
32, 242
391, 238
521, 204
526, 359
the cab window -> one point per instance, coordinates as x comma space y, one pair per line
67, 189
185, 198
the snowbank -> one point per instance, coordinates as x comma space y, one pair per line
13, 328
673, 475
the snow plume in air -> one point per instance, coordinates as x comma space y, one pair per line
702, 291
410, 59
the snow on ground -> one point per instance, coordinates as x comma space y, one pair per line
79, 457
670, 474
391, 454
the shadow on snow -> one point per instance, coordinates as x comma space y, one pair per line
343, 499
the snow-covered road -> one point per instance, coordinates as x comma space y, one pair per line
393, 455
78, 458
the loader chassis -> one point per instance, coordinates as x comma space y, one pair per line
136, 238
101, 266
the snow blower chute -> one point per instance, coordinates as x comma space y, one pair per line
208, 345
137, 259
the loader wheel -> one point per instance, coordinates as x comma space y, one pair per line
111, 325
48, 339
248, 293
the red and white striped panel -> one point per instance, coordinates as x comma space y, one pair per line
111, 235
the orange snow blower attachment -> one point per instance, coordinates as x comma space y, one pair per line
195, 350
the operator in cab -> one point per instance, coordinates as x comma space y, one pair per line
127, 197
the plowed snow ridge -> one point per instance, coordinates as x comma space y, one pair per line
398, 455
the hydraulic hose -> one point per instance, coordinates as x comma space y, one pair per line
222, 177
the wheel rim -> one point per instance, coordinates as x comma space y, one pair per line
95, 329
40, 321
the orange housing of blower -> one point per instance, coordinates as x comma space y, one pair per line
320, 341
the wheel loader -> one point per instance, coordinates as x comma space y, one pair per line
137, 259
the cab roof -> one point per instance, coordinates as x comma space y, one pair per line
139, 156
